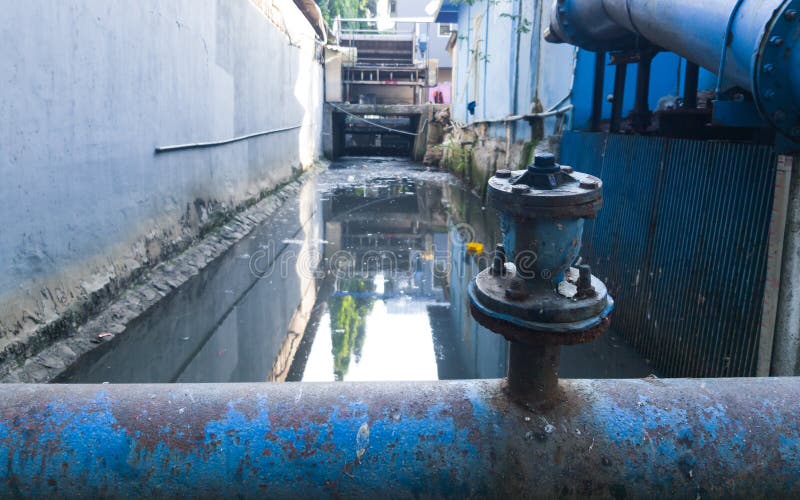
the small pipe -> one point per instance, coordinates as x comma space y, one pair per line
527, 116
533, 373
597, 95
515, 23
197, 145
643, 84
620, 75
691, 81
641, 109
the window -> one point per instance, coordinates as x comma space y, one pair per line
445, 29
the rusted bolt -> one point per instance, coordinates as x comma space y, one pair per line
776, 40
585, 288
503, 174
769, 94
520, 188
790, 15
769, 68
590, 184
499, 261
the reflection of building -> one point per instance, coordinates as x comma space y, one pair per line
381, 246
384, 224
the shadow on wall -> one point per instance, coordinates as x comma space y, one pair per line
92, 91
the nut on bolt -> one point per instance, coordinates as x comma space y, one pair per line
520, 188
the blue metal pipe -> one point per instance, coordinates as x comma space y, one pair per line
755, 43
637, 438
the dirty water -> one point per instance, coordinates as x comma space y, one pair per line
362, 277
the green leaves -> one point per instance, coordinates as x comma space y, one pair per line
524, 24
342, 8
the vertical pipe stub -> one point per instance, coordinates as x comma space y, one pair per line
532, 294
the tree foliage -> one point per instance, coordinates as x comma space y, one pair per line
343, 8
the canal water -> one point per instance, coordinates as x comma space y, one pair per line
361, 277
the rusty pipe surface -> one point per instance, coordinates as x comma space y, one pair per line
639, 438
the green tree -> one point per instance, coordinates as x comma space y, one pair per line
343, 8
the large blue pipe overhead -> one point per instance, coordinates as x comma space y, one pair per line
759, 39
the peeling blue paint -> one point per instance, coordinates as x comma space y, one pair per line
462, 439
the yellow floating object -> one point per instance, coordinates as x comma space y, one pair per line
474, 247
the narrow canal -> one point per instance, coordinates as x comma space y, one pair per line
361, 277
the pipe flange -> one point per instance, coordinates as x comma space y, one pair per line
542, 317
775, 63
574, 194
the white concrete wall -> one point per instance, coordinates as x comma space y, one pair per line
91, 87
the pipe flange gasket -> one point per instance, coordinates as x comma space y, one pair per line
773, 63
533, 333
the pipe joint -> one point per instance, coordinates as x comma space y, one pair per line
752, 44
776, 71
539, 301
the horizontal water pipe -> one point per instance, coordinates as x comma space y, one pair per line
637, 438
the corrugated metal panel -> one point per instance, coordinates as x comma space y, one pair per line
682, 244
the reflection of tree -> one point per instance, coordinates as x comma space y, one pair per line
349, 310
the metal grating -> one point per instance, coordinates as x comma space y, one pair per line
682, 244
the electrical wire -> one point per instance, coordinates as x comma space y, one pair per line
197, 145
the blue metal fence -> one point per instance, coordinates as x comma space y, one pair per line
682, 245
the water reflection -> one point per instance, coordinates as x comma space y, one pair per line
362, 277
349, 307
382, 238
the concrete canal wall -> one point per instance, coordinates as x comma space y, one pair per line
90, 89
